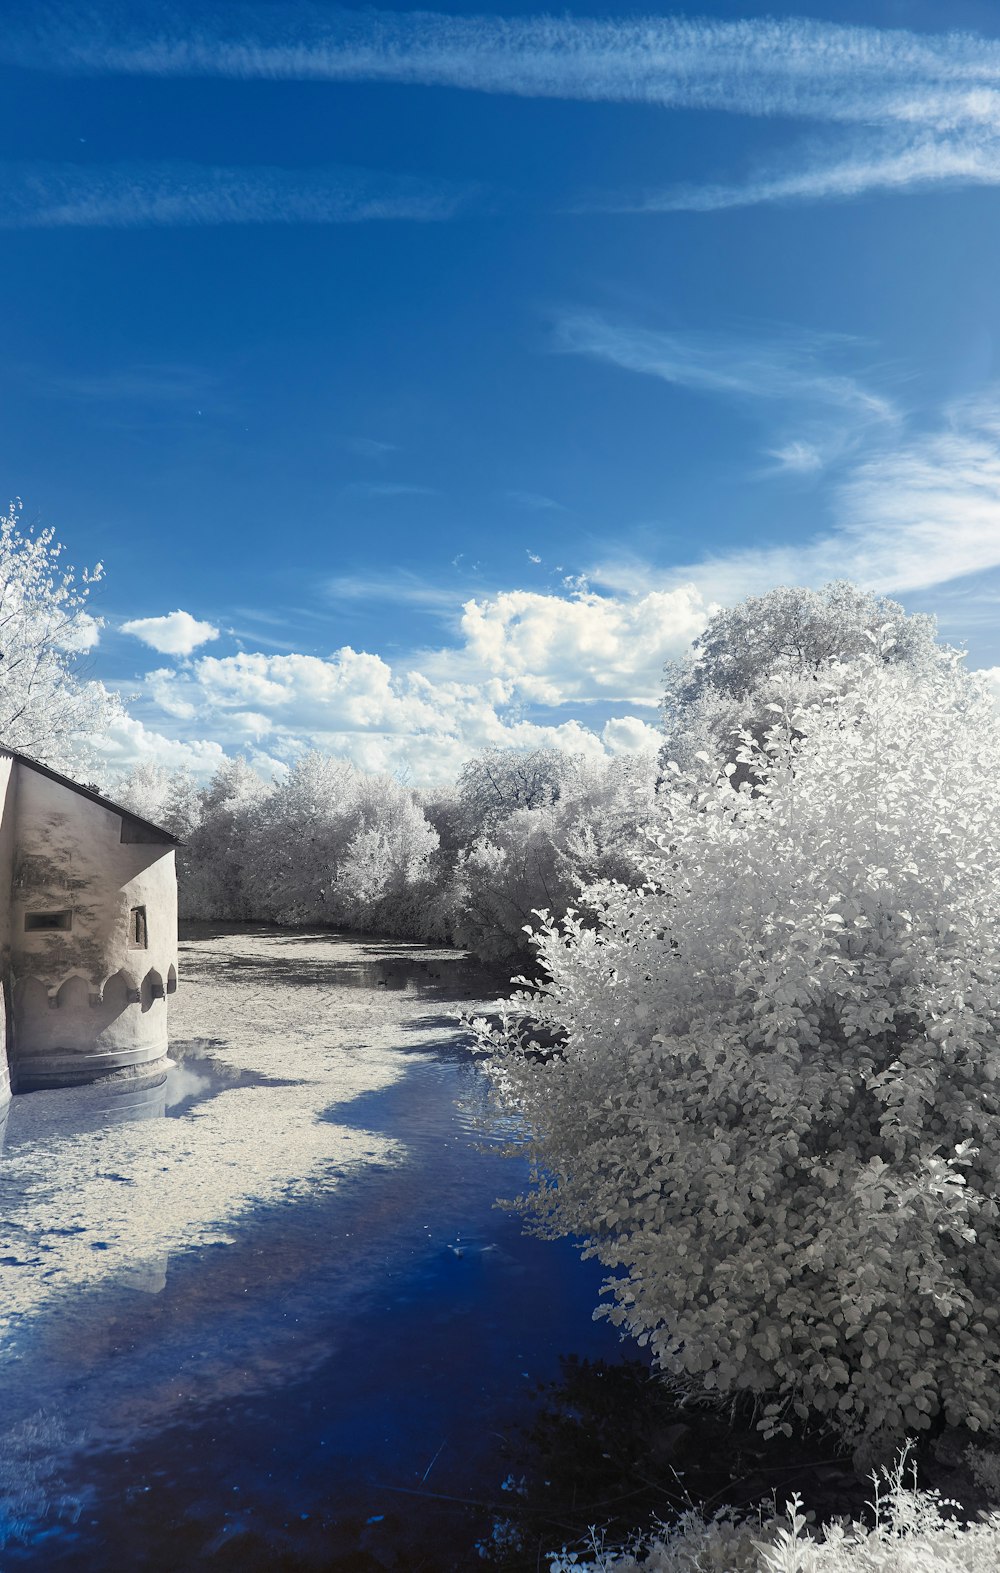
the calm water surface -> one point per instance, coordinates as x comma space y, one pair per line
337, 1385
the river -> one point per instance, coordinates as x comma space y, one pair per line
266, 1314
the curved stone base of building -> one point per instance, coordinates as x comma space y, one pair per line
34, 1072
73, 1036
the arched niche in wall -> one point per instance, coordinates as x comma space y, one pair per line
114, 999
31, 999
171, 979
152, 989
73, 993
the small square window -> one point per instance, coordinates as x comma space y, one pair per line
138, 934
38, 922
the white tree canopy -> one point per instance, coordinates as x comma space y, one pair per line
47, 708
778, 646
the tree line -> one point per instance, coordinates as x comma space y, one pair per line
331, 844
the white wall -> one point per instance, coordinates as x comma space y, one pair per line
68, 855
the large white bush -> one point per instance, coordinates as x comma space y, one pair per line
776, 1111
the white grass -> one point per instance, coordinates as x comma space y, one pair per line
912, 1534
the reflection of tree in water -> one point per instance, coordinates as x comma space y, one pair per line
31, 1490
610, 1444
308, 962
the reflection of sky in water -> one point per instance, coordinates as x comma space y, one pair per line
184, 1086
62, 1113
363, 1307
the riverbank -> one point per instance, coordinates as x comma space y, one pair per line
288, 1314
319, 1015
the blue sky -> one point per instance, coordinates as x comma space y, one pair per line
424, 379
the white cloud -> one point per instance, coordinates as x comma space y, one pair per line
991, 674
369, 447
178, 633
402, 585
83, 634
897, 163
629, 735
535, 502
130, 742
144, 196
939, 93
161, 386
928, 510
921, 509
794, 367
376, 489
794, 67
429, 715
800, 458
554, 649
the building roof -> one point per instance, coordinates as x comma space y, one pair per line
148, 831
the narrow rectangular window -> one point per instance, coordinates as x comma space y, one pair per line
36, 922
137, 933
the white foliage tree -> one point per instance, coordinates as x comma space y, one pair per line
784, 642
775, 1112
539, 857
498, 781
47, 709
170, 798
218, 864
336, 845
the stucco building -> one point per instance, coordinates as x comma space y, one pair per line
88, 931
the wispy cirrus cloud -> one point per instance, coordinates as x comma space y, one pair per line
159, 385
798, 458
369, 447
370, 490
792, 367
143, 196
928, 103
535, 502
794, 67
400, 587
891, 163
816, 413
920, 510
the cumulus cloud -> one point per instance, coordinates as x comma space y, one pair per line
82, 634
177, 633
991, 676
427, 717
554, 649
129, 742
630, 735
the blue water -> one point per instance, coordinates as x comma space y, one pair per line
340, 1386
